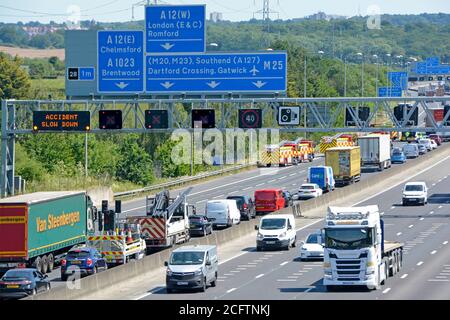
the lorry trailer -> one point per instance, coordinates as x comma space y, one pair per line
37, 229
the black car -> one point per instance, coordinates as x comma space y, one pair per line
288, 201
20, 283
199, 225
246, 206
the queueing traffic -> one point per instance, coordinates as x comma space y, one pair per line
105, 241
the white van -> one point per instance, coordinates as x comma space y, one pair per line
415, 192
192, 267
276, 231
223, 212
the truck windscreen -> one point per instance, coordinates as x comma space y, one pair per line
348, 238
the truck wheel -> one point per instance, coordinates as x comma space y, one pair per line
50, 262
38, 264
63, 277
330, 288
294, 244
169, 290
44, 264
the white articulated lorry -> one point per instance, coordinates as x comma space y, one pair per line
355, 252
375, 150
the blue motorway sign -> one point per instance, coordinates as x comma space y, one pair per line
389, 92
120, 61
217, 72
81, 73
398, 79
432, 61
175, 28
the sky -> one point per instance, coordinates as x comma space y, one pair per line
234, 10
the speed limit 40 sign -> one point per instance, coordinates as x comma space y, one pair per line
250, 118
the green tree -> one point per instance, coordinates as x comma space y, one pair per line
14, 81
135, 164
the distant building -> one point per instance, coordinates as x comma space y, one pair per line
39, 30
323, 16
216, 16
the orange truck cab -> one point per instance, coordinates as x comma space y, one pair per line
268, 200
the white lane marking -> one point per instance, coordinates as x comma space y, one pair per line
284, 263
132, 209
307, 268
292, 277
270, 181
231, 290
419, 263
404, 276
242, 269
250, 263
433, 252
259, 276
392, 208
285, 280
381, 213
235, 271
298, 274
159, 287
441, 277
228, 274
248, 188
421, 218
410, 226
260, 184
445, 242
292, 174
439, 180
234, 192
258, 260
220, 280
439, 207
399, 233
312, 265
294, 184
387, 290
283, 177
439, 280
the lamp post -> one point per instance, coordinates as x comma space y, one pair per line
376, 81
360, 54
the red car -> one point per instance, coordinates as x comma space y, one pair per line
437, 138
269, 200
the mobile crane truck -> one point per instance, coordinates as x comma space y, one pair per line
356, 252
166, 222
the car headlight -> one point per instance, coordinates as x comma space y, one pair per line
199, 272
169, 272
260, 236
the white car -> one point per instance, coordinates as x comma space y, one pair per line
312, 248
433, 144
415, 192
308, 191
426, 143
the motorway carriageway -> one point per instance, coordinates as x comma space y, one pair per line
244, 183
424, 230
